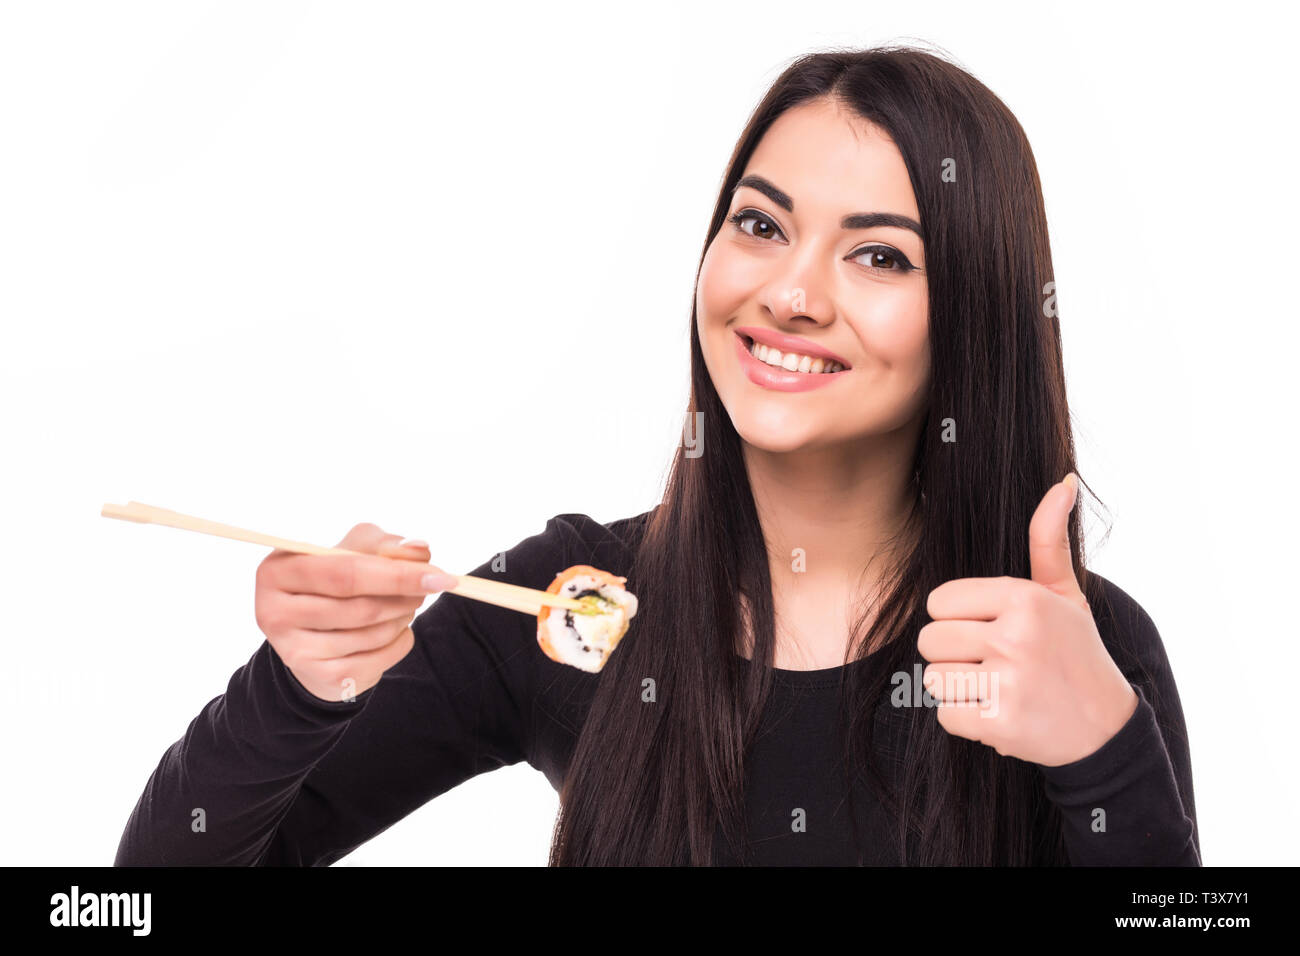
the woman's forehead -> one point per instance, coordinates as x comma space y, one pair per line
827, 159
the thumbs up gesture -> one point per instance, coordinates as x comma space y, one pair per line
1019, 665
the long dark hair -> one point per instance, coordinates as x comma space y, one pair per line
656, 783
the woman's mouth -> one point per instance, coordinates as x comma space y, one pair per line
790, 361
784, 371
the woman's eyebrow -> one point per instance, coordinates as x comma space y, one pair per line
857, 220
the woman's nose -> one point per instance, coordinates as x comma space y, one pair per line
792, 297
799, 286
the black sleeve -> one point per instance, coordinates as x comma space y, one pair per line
285, 778
1131, 802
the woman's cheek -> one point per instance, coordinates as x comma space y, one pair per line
727, 281
895, 337
895, 330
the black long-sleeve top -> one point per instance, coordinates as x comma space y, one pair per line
286, 778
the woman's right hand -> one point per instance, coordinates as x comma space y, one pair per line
339, 621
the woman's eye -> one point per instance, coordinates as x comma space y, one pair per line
760, 222
883, 258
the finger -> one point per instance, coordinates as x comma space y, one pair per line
334, 645
1049, 539
409, 548
364, 537
369, 538
383, 657
965, 720
317, 612
956, 640
354, 575
972, 599
959, 682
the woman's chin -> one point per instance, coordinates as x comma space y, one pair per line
777, 437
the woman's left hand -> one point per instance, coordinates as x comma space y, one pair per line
1019, 665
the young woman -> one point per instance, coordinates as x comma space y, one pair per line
875, 491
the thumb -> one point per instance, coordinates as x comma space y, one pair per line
371, 539
1049, 539
394, 546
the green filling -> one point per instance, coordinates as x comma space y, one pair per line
593, 605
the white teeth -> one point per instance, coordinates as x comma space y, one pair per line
793, 361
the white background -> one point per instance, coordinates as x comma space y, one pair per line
294, 266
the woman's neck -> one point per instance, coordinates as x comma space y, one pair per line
832, 519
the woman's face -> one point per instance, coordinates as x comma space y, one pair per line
793, 273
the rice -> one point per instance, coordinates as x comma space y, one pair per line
585, 641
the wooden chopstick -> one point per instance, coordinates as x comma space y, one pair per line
511, 596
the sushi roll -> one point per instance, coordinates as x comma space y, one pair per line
585, 640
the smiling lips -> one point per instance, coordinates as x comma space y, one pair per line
788, 343
785, 363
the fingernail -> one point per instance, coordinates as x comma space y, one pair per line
438, 581
412, 543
